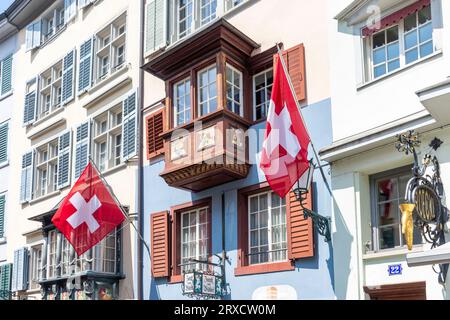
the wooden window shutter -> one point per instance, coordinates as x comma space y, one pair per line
155, 126
295, 63
160, 244
300, 231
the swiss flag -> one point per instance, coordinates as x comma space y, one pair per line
88, 213
284, 157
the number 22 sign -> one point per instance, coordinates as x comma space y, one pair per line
395, 269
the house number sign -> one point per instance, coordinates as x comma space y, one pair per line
395, 270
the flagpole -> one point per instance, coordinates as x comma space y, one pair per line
288, 77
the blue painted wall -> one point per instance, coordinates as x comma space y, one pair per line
312, 277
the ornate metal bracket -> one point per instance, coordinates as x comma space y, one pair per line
320, 222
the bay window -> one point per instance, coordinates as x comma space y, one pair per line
234, 90
182, 102
398, 45
207, 90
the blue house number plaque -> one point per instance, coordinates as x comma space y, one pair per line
395, 269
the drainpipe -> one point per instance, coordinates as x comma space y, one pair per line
140, 200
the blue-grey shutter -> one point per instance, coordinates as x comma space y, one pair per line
4, 143
129, 127
82, 148
33, 35
26, 181
6, 75
19, 281
68, 77
2, 214
85, 67
30, 105
64, 144
156, 26
5, 281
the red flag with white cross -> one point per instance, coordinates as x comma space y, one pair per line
88, 213
284, 157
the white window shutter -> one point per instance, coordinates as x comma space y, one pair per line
68, 77
82, 148
156, 25
85, 65
19, 281
4, 143
70, 10
129, 127
64, 144
33, 35
6, 75
26, 183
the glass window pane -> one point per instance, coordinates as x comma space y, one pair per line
254, 238
393, 51
392, 34
259, 81
379, 56
410, 40
185, 220
411, 56
379, 39
213, 105
203, 216
185, 235
193, 218
425, 32
388, 213
393, 65
275, 200
253, 221
426, 49
379, 71
410, 22
264, 237
263, 219
389, 237
387, 189
253, 204
425, 15
263, 202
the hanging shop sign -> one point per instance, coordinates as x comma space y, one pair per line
203, 284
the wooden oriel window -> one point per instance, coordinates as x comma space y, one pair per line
272, 232
154, 127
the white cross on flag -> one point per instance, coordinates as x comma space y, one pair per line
284, 157
88, 213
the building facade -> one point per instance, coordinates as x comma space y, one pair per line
209, 73
75, 99
389, 70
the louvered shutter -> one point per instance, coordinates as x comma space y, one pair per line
19, 281
156, 29
129, 127
64, 144
29, 115
6, 75
82, 148
160, 244
85, 67
155, 143
68, 78
33, 35
5, 281
295, 64
300, 230
2, 214
26, 183
4, 143
70, 10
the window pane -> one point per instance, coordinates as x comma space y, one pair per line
263, 202
411, 56
387, 189
388, 213
379, 71
378, 39
254, 238
410, 40
410, 22
395, 64
425, 15
392, 34
393, 51
253, 221
426, 49
263, 219
389, 237
425, 32
253, 204
379, 56
264, 237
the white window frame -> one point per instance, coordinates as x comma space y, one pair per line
52, 89
51, 268
199, 87
265, 92
270, 254
51, 167
229, 82
35, 265
186, 98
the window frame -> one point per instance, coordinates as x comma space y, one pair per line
175, 96
374, 204
241, 88
54, 87
35, 278
198, 89
265, 91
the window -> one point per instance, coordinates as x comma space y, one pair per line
234, 90
388, 192
399, 45
51, 259
267, 228
109, 50
52, 21
207, 91
50, 89
5, 76
35, 266
230, 4
185, 17
262, 91
108, 138
208, 10
182, 102
194, 238
105, 254
46, 168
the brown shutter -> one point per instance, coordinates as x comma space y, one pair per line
160, 244
155, 143
300, 231
295, 63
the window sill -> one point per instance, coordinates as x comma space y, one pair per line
4, 164
48, 116
6, 95
2, 240
264, 268
52, 37
393, 73
45, 197
108, 78
112, 170
387, 253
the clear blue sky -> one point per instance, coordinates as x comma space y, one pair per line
4, 4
